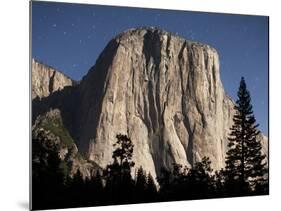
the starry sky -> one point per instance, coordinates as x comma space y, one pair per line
69, 37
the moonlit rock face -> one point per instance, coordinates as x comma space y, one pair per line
46, 80
165, 93
161, 90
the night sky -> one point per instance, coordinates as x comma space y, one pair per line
69, 37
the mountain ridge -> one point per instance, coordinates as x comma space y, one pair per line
47, 79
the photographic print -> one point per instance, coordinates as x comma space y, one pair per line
138, 105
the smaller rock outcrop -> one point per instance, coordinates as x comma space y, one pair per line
46, 80
50, 134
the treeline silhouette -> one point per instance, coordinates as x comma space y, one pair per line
245, 173
53, 187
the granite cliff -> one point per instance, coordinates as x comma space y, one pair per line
161, 90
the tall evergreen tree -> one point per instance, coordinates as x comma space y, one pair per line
151, 188
119, 183
245, 164
141, 184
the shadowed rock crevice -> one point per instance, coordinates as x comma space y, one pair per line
51, 84
151, 48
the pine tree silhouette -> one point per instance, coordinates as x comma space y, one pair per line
201, 179
141, 185
165, 180
151, 190
48, 175
119, 183
245, 165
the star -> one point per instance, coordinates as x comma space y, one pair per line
54, 25
80, 41
64, 33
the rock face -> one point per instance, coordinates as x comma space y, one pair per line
161, 90
46, 80
264, 144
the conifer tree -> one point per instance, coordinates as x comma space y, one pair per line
151, 188
141, 183
200, 180
119, 183
245, 164
97, 182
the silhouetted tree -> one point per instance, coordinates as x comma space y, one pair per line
119, 183
262, 186
141, 184
185, 183
151, 189
77, 187
165, 180
219, 184
245, 165
98, 184
201, 179
48, 175
92, 193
